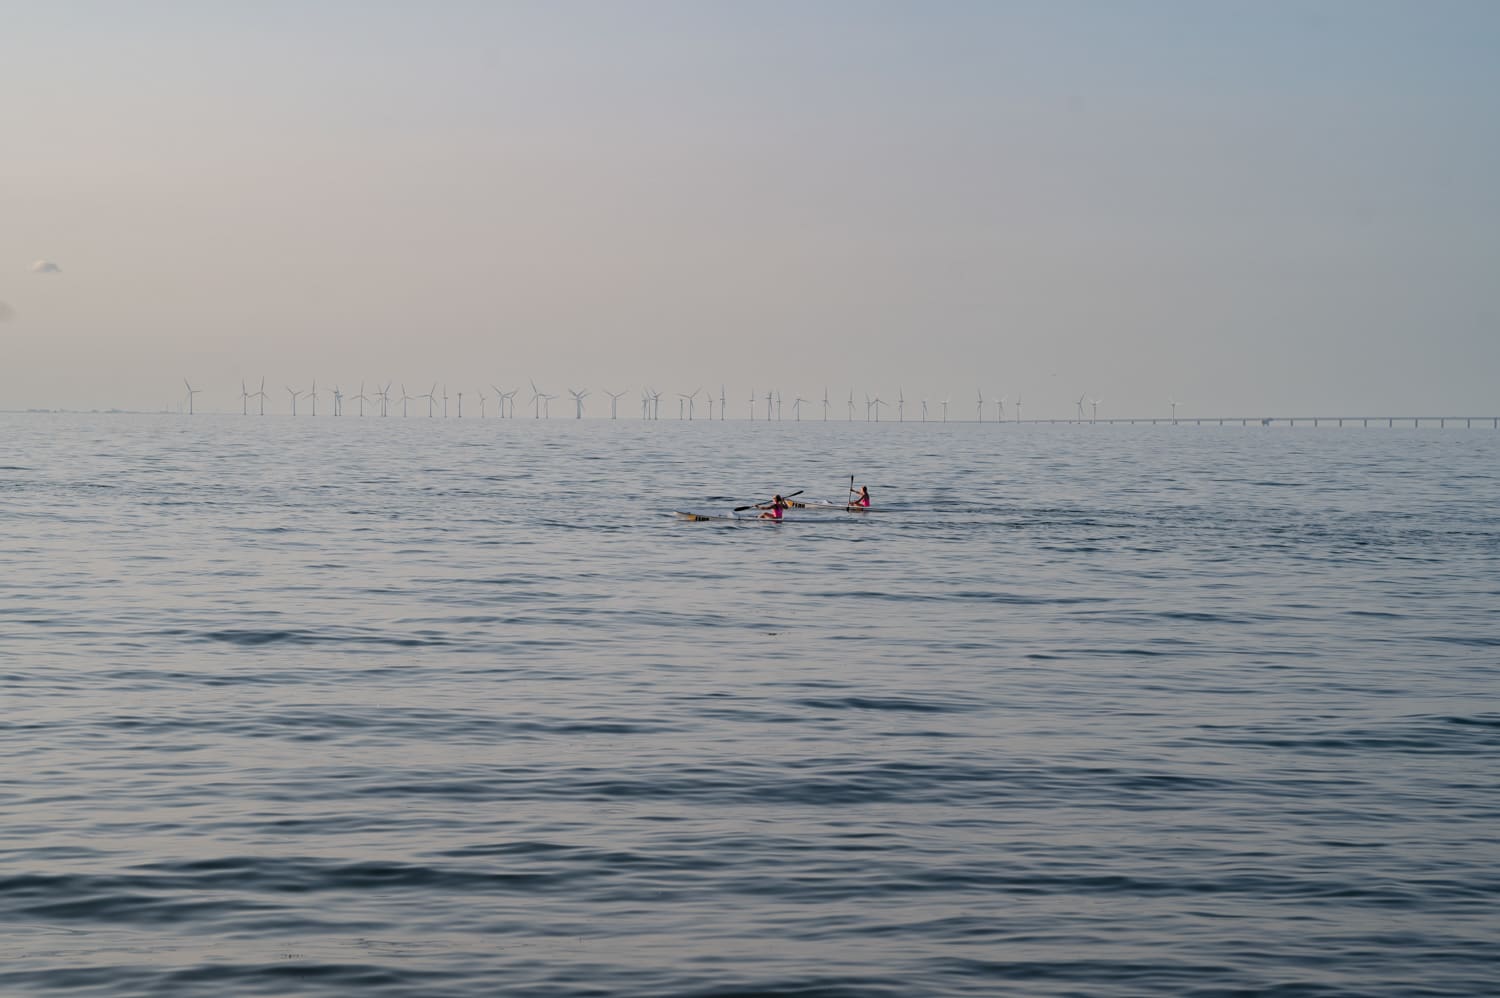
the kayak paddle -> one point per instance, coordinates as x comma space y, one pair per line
741, 509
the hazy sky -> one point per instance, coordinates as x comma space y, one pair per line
1255, 207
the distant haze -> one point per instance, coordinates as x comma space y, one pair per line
1251, 207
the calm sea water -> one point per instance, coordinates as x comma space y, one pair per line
430, 708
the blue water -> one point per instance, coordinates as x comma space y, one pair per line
430, 708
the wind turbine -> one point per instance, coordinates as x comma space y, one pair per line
1095, 404
900, 406
1000, 409
405, 398
431, 396
877, 403
778, 407
361, 398
655, 404
262, 396
868, 404
540, 400
980, 404
769, 398
481, 404
445, 400
723, 403
709, 398
924, 410
313, 394
244, 399
944, 404
797, 408
510, 397
1080, 405
1174, 404
691, 399
578, 398
385, 399
460, 402
293, 393
338, 401
851, 405
614, 399
1018, 408
752, 405
536, 400
825, 403
191, 392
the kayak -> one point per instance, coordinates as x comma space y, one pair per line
839, 507
725, 518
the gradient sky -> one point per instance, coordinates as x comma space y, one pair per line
1257, 207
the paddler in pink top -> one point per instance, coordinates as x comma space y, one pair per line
773, 508
862, 497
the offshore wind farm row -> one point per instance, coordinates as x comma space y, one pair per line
392, 399
493, 401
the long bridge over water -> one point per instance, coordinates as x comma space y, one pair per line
1440, 422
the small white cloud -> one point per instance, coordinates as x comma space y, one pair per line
45, 267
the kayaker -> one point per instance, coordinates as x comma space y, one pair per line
861, 497
773, 508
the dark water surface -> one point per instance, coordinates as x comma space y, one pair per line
431, 708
